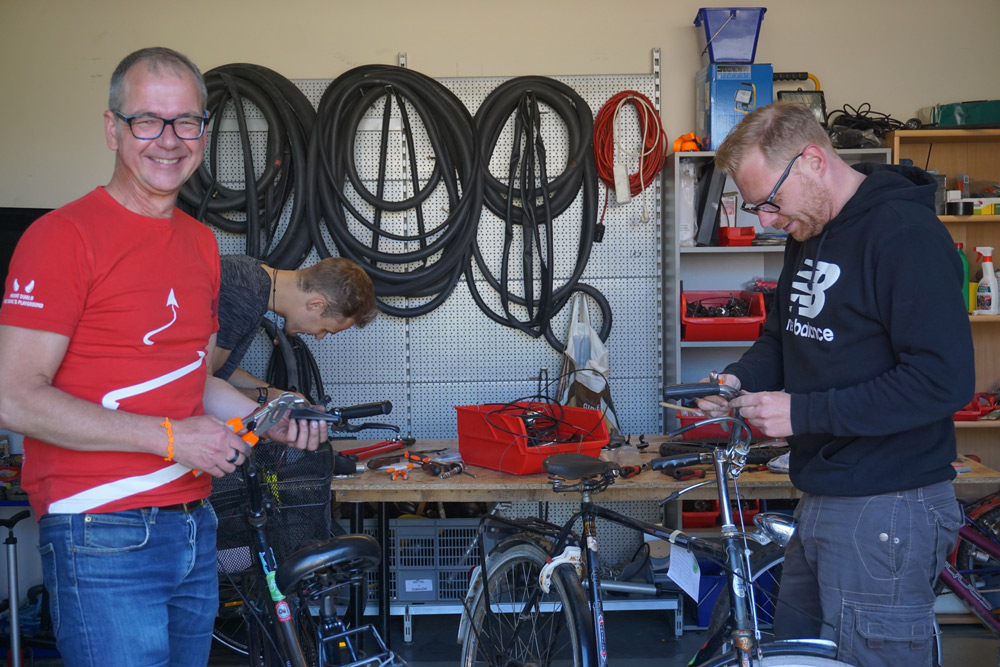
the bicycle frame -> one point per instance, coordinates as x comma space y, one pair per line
730, 549
279, 612
963, 589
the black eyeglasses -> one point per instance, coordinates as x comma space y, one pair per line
768, 205
148, 127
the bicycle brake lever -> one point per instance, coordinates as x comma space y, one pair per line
354, 428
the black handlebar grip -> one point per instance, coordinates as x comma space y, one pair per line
679, 461
366, 410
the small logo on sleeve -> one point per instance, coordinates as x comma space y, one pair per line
23, 297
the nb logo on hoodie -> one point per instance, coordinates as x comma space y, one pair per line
809, 293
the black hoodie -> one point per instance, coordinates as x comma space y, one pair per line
875, 347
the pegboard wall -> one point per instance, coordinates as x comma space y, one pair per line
455, 355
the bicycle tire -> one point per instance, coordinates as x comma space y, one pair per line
765, 573
801, 659
759, 454
512, 575
982, 574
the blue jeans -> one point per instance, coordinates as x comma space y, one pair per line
861, 572
136, 588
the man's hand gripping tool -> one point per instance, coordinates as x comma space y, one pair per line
265, 418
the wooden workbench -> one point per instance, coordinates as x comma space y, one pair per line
493, 486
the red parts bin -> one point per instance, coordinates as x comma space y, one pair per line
980, 404
722, 328
494, 436
732, 236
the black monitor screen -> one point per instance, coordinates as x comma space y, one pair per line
13, 222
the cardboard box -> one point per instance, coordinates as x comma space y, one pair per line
986, 206
725, 94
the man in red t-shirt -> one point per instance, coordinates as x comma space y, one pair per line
107, 325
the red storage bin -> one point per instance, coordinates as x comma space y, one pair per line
736, 236
722, 328
495, 436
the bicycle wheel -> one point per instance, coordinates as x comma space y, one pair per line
802, 659
765, 573
556, 630
979, 568
236, 590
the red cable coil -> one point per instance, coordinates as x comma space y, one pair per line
654, 147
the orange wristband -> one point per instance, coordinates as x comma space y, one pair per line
170, 439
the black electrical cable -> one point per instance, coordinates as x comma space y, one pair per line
292, 365
531, 199
427, 262
289, 117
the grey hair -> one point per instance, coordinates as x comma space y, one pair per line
155, 58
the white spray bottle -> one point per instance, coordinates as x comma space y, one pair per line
987, 302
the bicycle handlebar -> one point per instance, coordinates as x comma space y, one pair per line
687, 394
680, 460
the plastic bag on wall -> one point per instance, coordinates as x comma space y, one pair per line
583, 378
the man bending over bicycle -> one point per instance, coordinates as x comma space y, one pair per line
865, 355
106, 330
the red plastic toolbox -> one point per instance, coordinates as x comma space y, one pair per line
742, 236
495, 436
709, 430
722, 328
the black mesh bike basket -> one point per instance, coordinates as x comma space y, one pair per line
296, 489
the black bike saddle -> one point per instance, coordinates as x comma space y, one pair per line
343, 556
571, 465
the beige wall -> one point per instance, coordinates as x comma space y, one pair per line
56, 56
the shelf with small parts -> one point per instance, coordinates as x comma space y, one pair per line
977, 153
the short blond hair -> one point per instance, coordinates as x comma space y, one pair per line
778, 131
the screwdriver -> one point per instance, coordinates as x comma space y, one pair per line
456, 469
425, 462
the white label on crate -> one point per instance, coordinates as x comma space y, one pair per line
684, 570
419, 586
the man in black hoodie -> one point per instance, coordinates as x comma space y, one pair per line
865, 355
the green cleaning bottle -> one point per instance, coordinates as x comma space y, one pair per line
965, 273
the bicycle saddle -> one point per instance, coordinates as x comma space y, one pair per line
575, 466
343, 556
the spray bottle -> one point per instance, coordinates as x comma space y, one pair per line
986, 293
965, 273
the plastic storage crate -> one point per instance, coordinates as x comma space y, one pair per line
430, 560
500, 437
731, 32
296, 486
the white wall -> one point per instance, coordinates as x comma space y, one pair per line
56, 56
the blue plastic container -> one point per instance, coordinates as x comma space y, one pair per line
730, 32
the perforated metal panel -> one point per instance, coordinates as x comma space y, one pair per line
455, 355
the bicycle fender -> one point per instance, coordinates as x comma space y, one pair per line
569, 556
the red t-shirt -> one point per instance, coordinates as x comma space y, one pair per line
138, 299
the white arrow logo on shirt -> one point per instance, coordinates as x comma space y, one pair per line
173, 305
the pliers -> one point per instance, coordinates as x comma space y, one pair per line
265, 418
